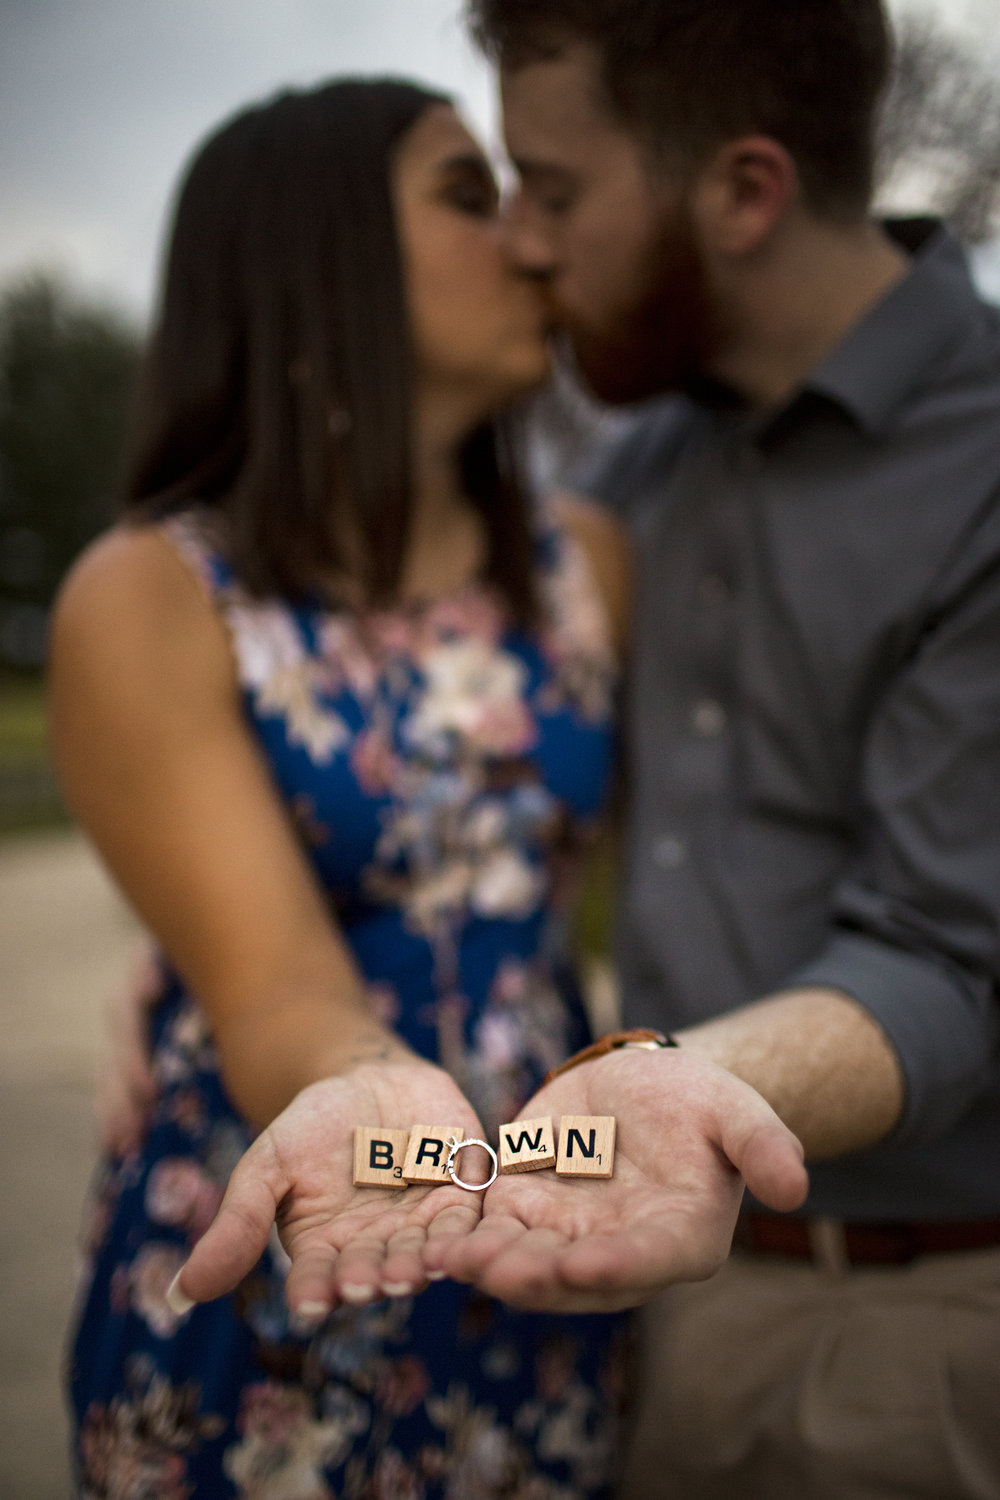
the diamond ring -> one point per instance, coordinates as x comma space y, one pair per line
454, 1147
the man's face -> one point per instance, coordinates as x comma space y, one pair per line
612, 236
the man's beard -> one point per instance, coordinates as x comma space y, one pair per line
660, 342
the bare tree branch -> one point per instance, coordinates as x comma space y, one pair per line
939, 142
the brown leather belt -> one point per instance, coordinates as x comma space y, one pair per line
890, 1244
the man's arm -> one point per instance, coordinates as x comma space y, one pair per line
821, 1061
893, 1027
914, 938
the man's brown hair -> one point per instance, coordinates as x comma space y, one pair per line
692, 74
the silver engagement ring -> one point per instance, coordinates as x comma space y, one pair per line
454, 1147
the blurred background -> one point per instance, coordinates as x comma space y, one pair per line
100, 104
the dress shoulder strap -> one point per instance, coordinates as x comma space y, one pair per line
195, 535
271, 637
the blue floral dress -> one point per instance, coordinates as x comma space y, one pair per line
439, 762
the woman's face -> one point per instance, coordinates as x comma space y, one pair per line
479, 325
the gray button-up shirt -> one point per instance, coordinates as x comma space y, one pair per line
814, 726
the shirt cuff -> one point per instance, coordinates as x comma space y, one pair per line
943, 1023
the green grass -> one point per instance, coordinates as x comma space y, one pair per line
29, 797
22, 718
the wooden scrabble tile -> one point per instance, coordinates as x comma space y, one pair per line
379, 1156
586, 1146
527, 1145
427, 1154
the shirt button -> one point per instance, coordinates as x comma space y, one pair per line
708, 718
669, 852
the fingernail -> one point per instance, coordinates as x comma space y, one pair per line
179, 1302
436, 1275
307, 1317
353, 1292
397, 1288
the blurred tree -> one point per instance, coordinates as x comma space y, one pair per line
940, 135
66, 377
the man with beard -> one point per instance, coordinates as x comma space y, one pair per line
812, 886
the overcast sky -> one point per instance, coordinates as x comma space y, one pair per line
101, 101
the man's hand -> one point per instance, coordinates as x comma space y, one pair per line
689, 1136
345, 1243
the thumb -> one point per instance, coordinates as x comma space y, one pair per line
235, 1240
766, 1154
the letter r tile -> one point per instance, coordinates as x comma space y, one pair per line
527, 1146
427, 1154
586, 1146
379, 1156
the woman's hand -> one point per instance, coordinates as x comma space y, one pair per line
345, 1243
689, 1136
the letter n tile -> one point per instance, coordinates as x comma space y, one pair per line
586, 1146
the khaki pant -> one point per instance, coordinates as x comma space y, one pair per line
779, 1381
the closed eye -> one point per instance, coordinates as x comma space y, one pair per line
469, 185
552, 190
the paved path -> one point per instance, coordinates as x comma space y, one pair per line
64, 940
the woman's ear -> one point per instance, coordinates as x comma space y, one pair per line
742, 194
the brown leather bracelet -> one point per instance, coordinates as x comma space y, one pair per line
644, 1038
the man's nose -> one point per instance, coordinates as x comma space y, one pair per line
527, 245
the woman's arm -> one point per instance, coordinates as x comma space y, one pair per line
159, 766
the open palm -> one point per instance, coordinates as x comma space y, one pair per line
689, 1136
345, 1243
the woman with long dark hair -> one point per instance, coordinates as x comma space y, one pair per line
333, 707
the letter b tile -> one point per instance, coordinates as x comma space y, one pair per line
379, 1156
527, 1145
586, 1146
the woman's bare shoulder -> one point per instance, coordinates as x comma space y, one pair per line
132, 603
129, 561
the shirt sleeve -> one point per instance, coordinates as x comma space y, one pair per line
916, 938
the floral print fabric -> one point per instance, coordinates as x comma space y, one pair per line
440, 763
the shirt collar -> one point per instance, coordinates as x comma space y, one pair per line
876, 365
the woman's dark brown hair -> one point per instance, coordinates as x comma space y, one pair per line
277, 386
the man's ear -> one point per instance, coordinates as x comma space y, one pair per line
743, 192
